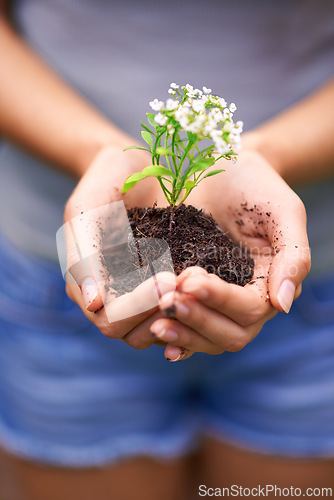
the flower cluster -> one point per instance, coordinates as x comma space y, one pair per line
173, 136
201, 113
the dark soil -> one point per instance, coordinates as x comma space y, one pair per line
192, 237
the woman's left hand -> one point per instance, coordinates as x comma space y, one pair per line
254, 204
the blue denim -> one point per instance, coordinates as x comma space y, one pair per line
70, 396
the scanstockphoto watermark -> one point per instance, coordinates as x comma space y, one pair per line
263, 256
267, 490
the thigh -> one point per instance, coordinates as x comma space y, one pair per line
223, 466
71, 397
276, 395
137, 479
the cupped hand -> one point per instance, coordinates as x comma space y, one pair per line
259, 210
92, 210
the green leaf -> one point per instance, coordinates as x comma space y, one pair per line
150, 171
147, 138
151, 121
214, 172
164, 152
192, 137
189, 185
147, 128
201, 165
136, 147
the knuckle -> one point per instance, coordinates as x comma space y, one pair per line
252, 316
217, 350
110, 330
239, 343
139, 343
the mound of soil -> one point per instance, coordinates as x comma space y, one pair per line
194, 239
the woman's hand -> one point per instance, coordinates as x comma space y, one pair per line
252, 202
90, 210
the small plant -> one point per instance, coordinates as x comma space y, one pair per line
176, 131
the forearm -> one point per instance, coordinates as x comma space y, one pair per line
43, 114
299, 143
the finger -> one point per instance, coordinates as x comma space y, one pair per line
173, 353
292, 261
144, 297
191, 271
179, 335
244, 305
113, 330
214, 326
124, 313
85, 241
141, 337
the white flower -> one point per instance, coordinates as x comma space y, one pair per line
227, 114
189, 88
157, 105
160, 119
216, 115
233, 107
174, 86
234, 138
221, 147
206, 91
210, 126
170, 129
198, 105
171, 91
216, 134
171, 104
197, 93
239, 126
228, 126
222, 102
181, 112
193, 127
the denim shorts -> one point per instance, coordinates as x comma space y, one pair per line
71, 397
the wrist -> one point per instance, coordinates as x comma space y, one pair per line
107, 138
257, 141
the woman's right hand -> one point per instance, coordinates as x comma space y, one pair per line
87, 210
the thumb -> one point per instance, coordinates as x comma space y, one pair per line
288, 269
83, 243
80, 262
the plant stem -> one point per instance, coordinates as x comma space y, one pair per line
177, 191
171, 218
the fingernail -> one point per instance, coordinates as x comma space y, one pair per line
168, 335
167, 300
167, 305
192, 271
162, 333
181, 309
181, 353
165, 284
170, 306
286, 295
89, 291
195, 289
